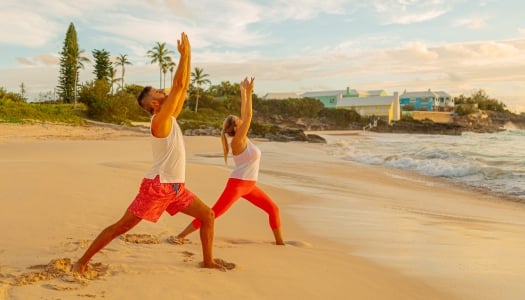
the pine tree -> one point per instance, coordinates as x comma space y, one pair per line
71, 61
103, 66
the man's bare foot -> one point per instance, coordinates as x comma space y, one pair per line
220, 264
78, 268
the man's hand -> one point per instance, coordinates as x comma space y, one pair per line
183, 45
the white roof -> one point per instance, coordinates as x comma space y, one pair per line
443, 94
424, 94
323, 93
280, 96
375, 92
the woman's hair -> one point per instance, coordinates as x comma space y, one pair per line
228, 127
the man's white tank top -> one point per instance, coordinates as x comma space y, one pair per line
169, 156
247, 163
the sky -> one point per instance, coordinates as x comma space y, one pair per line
456, 46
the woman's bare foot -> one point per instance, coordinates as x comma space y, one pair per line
220, 264
278, 236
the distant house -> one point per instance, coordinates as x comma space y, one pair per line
427, 101
383, 107
280, 96
328, 98
444, 102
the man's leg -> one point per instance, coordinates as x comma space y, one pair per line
204, 214
123, 225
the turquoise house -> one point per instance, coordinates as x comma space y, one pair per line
328, 98
427, 101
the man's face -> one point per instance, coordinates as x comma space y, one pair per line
158, 95
154, 100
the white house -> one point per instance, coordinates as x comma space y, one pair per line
385, 107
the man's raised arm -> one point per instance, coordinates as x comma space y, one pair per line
173, 104
184, 64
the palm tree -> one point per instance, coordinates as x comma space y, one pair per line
171, 65
22, 90
112, 79
199, 78
76, 56
168, 64
159, 55
122, 61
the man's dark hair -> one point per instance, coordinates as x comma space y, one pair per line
141, 96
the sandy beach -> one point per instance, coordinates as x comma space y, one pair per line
60, 185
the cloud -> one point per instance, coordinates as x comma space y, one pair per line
417, 17
25, 61
304, 9
471, 23
39, 60
25, 28
408, 11
487, 53
422, 51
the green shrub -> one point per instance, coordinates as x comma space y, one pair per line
21, 112
261, 129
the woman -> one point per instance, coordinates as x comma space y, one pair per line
242, 181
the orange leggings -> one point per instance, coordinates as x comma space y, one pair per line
237, 188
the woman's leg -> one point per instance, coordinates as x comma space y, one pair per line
234, 190
260, 199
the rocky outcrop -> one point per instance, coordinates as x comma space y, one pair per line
281, 135
420, 127
479, 122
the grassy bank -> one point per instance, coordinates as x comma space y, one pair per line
21, 112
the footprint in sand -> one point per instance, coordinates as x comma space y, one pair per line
240, 241
299, 244
225, 266
57, 287
72, 246
140, 238
177, 241
59, 269
188, 256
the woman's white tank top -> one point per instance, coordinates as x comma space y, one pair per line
247, 163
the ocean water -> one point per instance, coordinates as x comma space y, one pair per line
479, 244
493, 161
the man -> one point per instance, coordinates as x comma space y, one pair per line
163, 187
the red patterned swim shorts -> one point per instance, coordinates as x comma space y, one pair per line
155, 197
